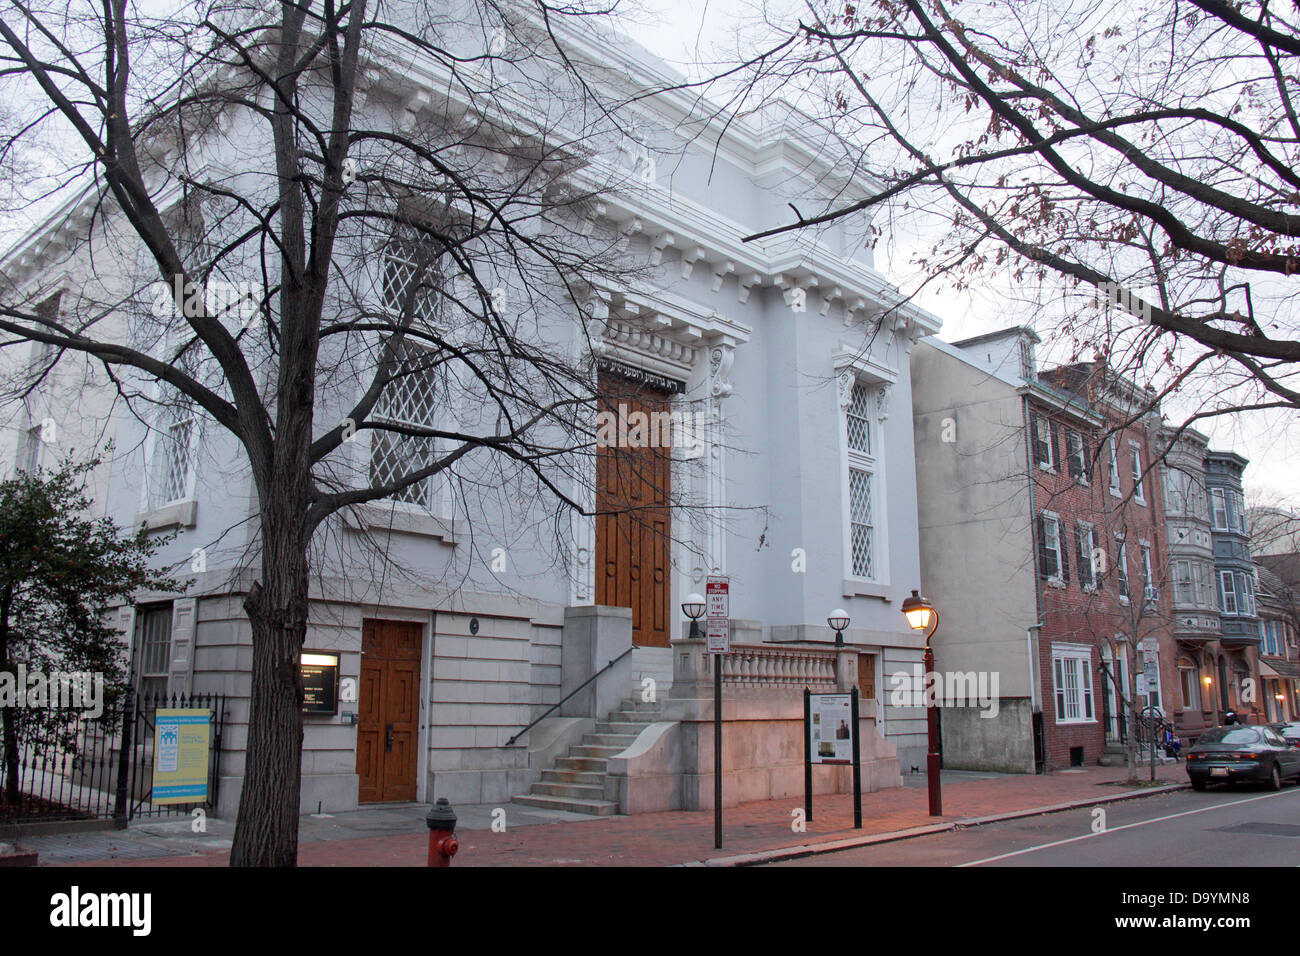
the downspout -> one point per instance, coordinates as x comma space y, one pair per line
1033, 558
1035, 708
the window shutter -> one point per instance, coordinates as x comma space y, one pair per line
1063, 546
1056, 450
181, 671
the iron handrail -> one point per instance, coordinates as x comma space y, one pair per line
561, 703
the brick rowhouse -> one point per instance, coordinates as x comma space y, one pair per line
1101, 562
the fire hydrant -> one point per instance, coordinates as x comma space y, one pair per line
442, 827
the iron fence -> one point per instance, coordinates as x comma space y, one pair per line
82, 767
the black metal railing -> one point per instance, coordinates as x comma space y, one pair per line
82, 767
556, 706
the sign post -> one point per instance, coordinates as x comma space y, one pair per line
831, 737
718, 608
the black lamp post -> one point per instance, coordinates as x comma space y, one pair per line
921, 616
693, 607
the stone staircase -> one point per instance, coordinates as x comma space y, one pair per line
577, 782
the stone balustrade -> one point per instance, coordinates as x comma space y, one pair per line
768, 665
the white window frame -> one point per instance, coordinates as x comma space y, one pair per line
1135, 457
1041, 422
1076, 658
873, 464
1218, 501
1148, 573
149, 499
1074, 437
1121, 572
1114, 468
1246, 591
1089, 547
1224, 593
1058, 578
436, 486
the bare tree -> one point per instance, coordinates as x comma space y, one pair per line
400, 195
1147, 153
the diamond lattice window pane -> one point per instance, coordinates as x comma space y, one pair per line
859, 420
172, 457
410, 399
861, 523
411, 280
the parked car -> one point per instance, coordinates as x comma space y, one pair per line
1288, 730
1241, 752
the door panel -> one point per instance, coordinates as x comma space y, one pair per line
633, 527
388, 727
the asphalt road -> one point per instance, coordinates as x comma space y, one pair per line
1232, 827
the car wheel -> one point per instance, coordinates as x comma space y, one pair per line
1275, 778
1198, 784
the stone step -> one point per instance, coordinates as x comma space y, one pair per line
622, 727
574, 776
599, 808
638, 717
575, 791
621, 741
582, 764
594, 750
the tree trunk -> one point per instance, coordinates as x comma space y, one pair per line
266, 830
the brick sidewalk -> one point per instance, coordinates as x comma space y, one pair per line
660, 839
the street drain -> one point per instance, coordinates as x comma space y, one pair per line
1263, 829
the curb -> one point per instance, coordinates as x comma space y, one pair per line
849, 843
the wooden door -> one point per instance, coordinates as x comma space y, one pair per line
388, 729
633, 495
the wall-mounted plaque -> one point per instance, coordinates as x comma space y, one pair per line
320, 683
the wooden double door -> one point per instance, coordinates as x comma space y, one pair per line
633, 498
388, 729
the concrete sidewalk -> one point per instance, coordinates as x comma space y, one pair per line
396, 836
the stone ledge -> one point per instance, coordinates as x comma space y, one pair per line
178, 514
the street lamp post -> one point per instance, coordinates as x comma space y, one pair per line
921, 616
839, 620
693, 607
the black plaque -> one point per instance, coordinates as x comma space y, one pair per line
320, 684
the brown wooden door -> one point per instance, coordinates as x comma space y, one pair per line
633, 494
388, 721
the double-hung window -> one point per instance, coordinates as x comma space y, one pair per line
1227, 593
861, 483
1051, 547
1121, 569
1077, 460
1219, 502
1147, 574
1184, 592
1087, 538
1072, 672
1044, 452
1114, 467
412, 279
1139, 495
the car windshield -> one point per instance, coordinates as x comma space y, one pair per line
1229, 735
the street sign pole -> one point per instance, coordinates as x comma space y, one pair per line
807, 755
717, 751
857, 762
718, 604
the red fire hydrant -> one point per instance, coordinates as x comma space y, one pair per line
442, 825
